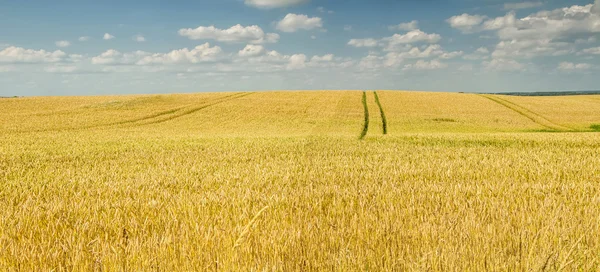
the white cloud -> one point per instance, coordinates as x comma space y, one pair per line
63, 43
363, 42
108, 36
313, 37
111, 57
84, 38
482, 50
544, 33
347, 28
435, 50
526, 48
465, 22
479, 54
251, 50
586, 41
414, 36
324, 10
235, 34
324, 58
199, 54
269, 4
294, 22
555, 24
574, 66
504, 65
500, 22
371, 62
451, 55
425, 65
139, 38
14, 54
593, 51
297, 61
596, 7
412, 25
522, 5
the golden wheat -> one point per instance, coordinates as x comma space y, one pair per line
175, 191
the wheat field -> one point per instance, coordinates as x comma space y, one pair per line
281, 181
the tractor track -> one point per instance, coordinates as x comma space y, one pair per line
382, 113
531, 115
366, 122
136, 122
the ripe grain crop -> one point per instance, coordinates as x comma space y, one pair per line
488, 191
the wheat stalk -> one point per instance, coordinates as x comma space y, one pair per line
242, 238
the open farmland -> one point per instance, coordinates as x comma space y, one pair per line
281, 181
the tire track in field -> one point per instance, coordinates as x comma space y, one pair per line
531, 115
366, 123
382, 113
133, 122
193, 110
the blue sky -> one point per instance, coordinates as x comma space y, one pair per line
85, 47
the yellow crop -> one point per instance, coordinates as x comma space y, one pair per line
279, 181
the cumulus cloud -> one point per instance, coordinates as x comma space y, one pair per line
500, 22
297, 61
324, 58
139, 38
201, 53
14, 54
414, 36
506, 65
294, 22
479, 54
522, 5
451, 55
555, 24
397, 42
465, 22
63, 43
544, 33
574, 66
435, 50
84, 38
324, 10
596, 8
363, 42
593, 51
112, 57
251, 50
371, 62
108, 36
425, 65
270, 4
235, 34
412, 25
